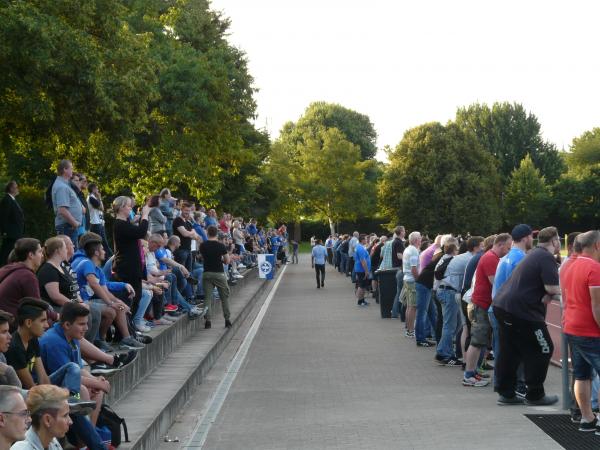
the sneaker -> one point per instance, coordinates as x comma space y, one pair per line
192, 315
103, 345
199, 311
123, 359
102, 369
483, 375
130, 343
170, 307
424, 344
575, 415
409, 334
546, 400
144, 339
227, 323
238, 276
453, 362
486, 366
80, 407
521, 393
142, 328
509, 401
474, 382
366, 303
163, 321
589, 426
241, 266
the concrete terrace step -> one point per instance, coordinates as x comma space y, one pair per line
152, 391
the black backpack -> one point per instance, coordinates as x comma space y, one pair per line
441, 270
109, 419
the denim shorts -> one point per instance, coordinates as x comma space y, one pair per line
480, 325
585, 356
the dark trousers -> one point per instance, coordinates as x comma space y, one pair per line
527, 342
330, 255
440, 320
320, 273
7, 245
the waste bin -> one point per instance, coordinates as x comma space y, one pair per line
386, 292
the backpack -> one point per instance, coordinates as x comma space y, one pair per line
440, 270
109, 419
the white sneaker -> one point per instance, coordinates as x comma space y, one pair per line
142, 328
241, 266
238, 276
169, 318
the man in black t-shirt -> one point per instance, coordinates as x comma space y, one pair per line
397, 251
215, 254
520, 308
183, 228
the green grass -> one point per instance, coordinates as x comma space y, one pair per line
304, 247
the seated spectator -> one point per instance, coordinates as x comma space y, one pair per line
14, 417
17, 279
8, 376
60, 346
50, 419
94, 287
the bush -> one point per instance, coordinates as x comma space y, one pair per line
39, 220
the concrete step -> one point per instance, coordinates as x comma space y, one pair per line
151, 393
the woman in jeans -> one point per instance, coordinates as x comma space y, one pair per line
127, 264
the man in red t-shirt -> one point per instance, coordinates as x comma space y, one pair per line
480, 303
580, 282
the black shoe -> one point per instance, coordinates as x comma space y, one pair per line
103, 369
80, 407
424, 344
546, 400
144, 339
453, 362
322, 284
207, 324
227, 323
174, 313
589, 426
318, 287
508, 401
575, 415
123, 359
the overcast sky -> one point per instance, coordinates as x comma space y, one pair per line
406, 63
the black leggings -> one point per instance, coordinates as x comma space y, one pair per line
320, 274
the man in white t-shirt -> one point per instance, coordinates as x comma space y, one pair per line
410, 268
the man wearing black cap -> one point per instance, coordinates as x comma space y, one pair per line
520, 308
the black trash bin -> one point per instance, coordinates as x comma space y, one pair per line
386, 292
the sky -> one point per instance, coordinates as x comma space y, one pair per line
407, 63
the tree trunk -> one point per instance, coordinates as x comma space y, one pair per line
331, 226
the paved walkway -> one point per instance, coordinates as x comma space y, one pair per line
323, 373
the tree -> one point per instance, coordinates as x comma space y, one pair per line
440, 179
585, 151
508, 133
527, 195
356, 127
322, 177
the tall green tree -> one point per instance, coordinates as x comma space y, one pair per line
585, 152
322, 177
440, 179
527, 196
576, 201
508, 132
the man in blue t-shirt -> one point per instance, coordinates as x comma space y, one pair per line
362, 268
318, 258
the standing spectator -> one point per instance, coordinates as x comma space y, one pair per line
294, 252
14, 417
580, 281
318, 258
480, 303
79, 184
397, 252
410, 268
184, 229
166, 204
211, 218
18, 280
329, 246
362, 268
520, 308
96, 209
127, 265
215, 254
426, 309
157, 220
12, 220
352, 253
67, 206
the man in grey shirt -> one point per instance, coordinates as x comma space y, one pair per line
66, 204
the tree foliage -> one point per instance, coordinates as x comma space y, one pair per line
585, 152
526, 196
509, 133
140, 94
440, 179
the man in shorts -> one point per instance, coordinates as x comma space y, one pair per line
410, 270
580, 282
362, 268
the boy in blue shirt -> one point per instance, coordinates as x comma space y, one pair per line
318, 258
362, 268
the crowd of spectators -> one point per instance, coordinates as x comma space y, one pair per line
480, 304
76, 309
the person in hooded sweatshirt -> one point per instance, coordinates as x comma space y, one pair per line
18, 279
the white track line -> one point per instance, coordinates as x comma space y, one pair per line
214, 407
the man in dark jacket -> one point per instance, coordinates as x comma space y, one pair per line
12, 220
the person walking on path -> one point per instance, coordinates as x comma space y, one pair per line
214, 255
12, 220
520, 308
318, 259
362, 268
